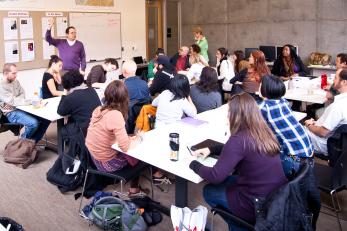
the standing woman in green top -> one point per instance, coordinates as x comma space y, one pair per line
201, 41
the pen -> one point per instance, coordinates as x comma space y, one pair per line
189, 151
45, 103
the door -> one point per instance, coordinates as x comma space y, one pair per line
173, 9
154, 22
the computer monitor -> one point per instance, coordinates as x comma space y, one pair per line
279, 50
138, 59
248, 52
269, 52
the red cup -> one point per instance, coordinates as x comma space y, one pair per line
324, 81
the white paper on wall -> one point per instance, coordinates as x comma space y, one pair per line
10, 28
26, 28
28, 50
61, 23
47, 50
44, 26
11, 52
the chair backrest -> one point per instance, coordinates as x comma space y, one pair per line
339, 176
133, 112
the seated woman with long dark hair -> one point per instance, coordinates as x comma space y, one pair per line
51, 81
205, 93
107, 127
253, 151
174, 103
288, 64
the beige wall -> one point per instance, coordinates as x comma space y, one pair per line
133, 31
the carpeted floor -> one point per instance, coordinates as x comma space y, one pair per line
28, 198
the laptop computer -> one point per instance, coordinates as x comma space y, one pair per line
138, 59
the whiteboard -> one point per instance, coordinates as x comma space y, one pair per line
100, 34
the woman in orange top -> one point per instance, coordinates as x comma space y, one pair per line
107, 127
251, 77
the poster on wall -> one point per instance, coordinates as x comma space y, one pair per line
28, 51
44, 26
22, 3
47, 50
11, 52
100, 3
61, 24
26, 28
10, 28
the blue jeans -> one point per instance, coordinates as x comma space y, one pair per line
216, 195
34, 127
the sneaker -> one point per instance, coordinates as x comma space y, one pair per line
161, 180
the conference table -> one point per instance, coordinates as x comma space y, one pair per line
305, 89
155, 149
48, 111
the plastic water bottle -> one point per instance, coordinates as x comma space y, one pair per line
36, 100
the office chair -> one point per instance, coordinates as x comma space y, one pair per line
5, 125
263, 206
333, 179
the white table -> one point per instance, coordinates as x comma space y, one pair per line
48, 112
306, 90
155, 150
299, 115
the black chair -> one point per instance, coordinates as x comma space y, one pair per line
123, 176
134, 110
225, 214
264, 205
5, 125
334, 179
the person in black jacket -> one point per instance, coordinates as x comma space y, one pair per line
161, 81
288, 64
78, 102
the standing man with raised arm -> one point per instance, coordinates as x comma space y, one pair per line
71, 51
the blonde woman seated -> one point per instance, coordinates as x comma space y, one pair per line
51, 81
107, 127
194, 72
174, 103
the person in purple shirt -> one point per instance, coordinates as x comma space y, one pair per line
71, 51
253, 151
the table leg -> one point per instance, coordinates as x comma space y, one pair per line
60, 124
181, 192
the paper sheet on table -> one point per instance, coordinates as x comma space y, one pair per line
10, 28
209, 161
193, 121
11, 52
26, 28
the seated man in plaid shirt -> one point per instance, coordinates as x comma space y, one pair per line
296, 146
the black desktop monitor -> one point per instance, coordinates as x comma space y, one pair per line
269, 52
248, 52
279, 50
138, 59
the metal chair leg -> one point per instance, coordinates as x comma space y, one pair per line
337, 210
212, 221
83, 188
151, 180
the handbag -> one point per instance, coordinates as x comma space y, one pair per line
21, 152
184, 219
